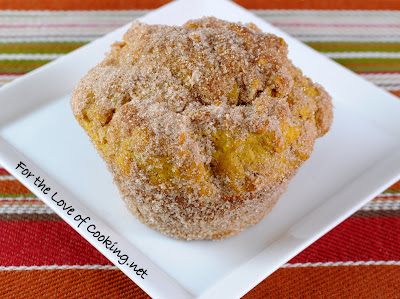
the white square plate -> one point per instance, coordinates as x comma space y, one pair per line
355, 161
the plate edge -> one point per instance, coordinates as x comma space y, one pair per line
295, 237
161, 286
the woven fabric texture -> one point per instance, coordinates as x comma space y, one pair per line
41, 256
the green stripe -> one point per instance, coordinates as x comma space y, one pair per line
22, 62
355, 46
370, 64
23, 66
393, 61
20, 66
39, 47
65, 47
23, 195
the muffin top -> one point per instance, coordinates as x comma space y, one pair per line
212, 110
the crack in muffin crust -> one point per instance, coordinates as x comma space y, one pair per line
202, 126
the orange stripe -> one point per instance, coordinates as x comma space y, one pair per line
396, 186
13, 187
395, 92
29, 217
330, 282
147, 4
19, 202
81, 5
307, 282
68, 284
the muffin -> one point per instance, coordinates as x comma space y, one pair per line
202, 126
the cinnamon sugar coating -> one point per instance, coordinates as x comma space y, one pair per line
202, 126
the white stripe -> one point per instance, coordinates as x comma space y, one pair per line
328, 13
76, 36
329, 17
8, 77
349, 263
321, 30
321, 19
25, 56
383, 205
294, 30
7, 178
3, 80
35, 56
362, 54
390, 87
3, 83
70, 31
78, 19
296, 17
72, 13
25, 209
343, 38
21, 39
382, 78
385, 81
389, 195
18, 198
45, 21
58, 267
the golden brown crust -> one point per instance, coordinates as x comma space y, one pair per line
202, 125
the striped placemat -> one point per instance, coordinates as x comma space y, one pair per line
41, 256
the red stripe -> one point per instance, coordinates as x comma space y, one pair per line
54, 242
28, 243
395, 186
378, 72
81, 5
146, 4
356, 239
10, 73
388, 197
3, 172
60, 25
